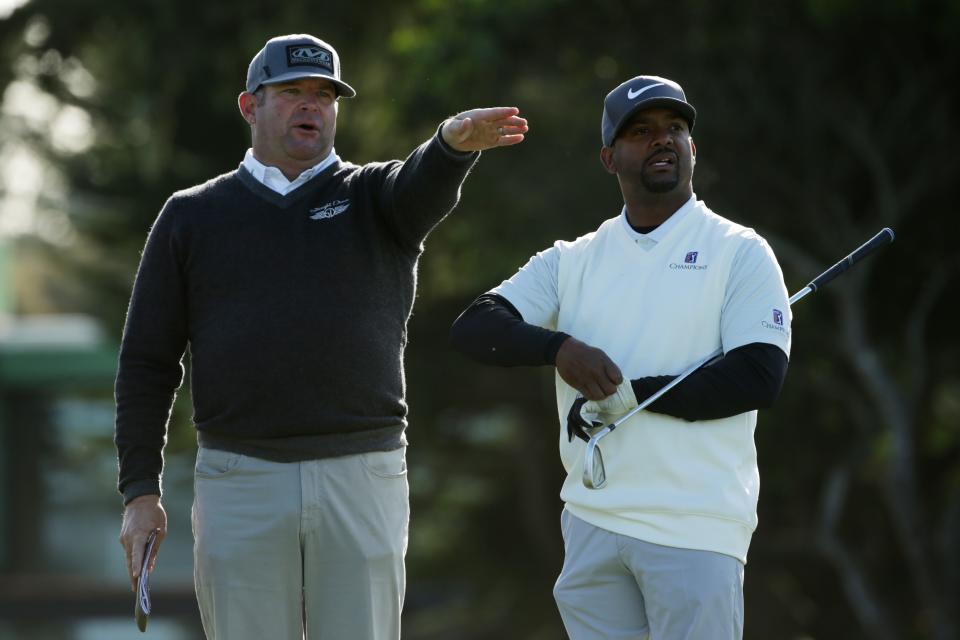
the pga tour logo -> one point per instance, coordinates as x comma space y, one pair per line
691, 257
309, 55
778, 317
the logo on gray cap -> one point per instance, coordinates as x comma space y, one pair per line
291, 57
300, 55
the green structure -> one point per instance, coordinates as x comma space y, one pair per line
42, 358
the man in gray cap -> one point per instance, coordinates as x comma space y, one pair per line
290, 280
659, 551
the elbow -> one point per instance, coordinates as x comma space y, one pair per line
458, 335
770, 393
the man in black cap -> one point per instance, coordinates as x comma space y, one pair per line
659, 551
290, 280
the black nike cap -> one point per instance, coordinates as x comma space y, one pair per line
642, 92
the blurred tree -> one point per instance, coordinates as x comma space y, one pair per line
819, 122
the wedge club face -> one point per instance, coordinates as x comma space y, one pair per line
594, 474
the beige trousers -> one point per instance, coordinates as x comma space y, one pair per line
613, 586
297, 550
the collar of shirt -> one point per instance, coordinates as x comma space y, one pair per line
658, 234
274, 179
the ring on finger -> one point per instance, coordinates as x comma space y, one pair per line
499, 131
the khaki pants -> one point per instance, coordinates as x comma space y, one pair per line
613, 586
298, 550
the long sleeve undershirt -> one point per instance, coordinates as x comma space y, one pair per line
492, 331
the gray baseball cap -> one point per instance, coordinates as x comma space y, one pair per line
286, 58
642, 92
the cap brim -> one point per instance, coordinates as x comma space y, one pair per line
343, 89
686, 111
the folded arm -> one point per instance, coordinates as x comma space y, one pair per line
492, 331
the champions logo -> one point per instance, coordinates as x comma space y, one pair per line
689, 262
299, 55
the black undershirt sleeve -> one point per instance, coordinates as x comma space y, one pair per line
744, 379
492, 331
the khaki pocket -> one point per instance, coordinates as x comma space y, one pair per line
214, 463
386, 464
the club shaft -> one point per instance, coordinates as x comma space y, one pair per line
882, 237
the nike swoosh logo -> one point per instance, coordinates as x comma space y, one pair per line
631, 94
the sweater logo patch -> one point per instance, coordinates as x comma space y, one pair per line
329, 210
689, 262
777, 324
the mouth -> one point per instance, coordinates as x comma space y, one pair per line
663, 160
307, 127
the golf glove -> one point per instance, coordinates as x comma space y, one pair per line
616, 404
579, 420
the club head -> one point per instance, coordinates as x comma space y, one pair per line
594, 474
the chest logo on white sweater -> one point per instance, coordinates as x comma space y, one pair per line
329, 210
689, 262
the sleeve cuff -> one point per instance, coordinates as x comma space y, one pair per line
140, 488
553, 346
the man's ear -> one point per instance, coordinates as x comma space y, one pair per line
248, 106
606, 159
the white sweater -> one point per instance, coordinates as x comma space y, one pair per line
655, 304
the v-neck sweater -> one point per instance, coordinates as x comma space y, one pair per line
294, 310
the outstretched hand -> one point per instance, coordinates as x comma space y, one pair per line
481, 129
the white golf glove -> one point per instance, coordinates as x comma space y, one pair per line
616, 404
590, 416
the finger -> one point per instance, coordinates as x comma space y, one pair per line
592, 391
156, 549
494, 113
506, 141
613, 372
607, 388
515, 122
136, 558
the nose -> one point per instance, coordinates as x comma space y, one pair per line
311, 102
662, 138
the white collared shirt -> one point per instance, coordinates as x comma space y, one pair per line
274, 179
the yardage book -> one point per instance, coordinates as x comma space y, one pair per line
141, 611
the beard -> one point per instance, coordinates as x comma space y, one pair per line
660, 184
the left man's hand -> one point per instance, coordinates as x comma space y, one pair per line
141, 516
480, 129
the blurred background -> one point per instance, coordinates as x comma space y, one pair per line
819, 122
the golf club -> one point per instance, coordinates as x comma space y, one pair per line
594, 474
